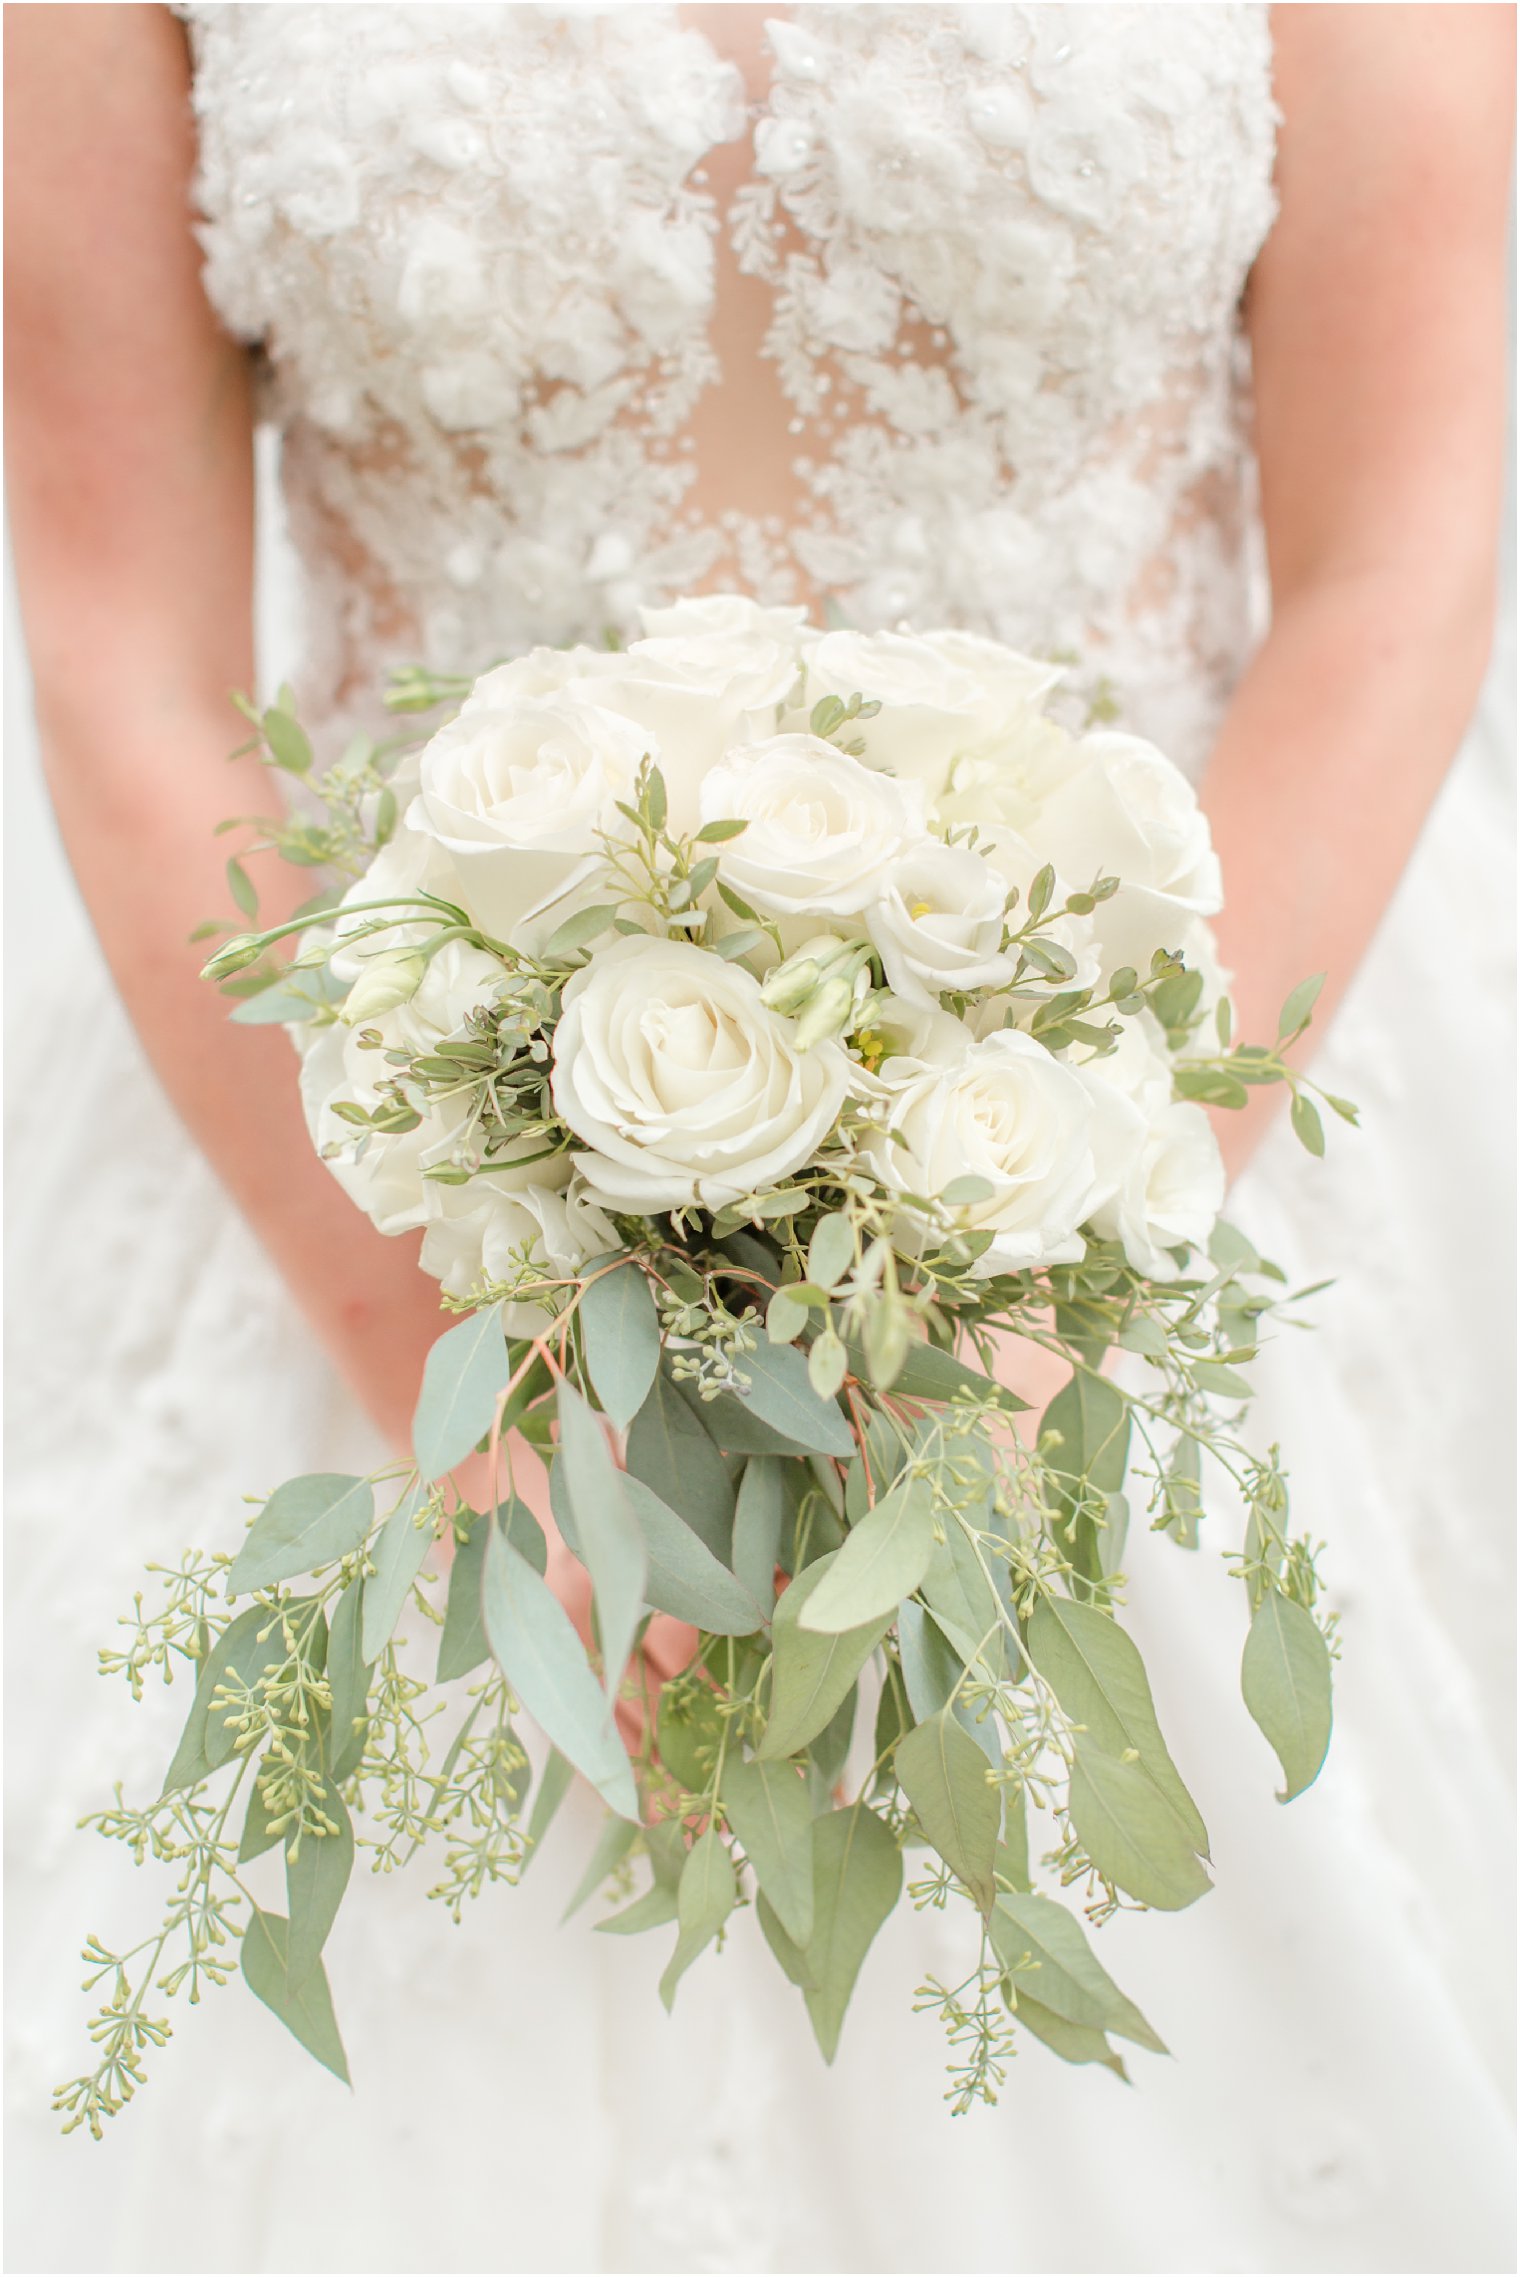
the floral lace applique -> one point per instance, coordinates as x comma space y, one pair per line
1003, 248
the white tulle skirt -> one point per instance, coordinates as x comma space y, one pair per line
1339, 2009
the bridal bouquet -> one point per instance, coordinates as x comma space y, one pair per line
777, 1037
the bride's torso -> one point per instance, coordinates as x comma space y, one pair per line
932, 310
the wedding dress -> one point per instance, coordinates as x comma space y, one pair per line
931, 310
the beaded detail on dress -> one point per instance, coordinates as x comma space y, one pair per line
1003, 249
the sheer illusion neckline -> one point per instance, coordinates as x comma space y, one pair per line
928, 308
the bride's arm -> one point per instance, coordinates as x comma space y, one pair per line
129, 450
1377, 320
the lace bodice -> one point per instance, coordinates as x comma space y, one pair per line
930, 309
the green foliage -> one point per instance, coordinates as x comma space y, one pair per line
778, 1390
811, 1673
303, 1525
1285, 1678
857, 1875
543, 1661
604, 1528
621, 1329
944, 1775
467, 1372
883, 1561
304, 2007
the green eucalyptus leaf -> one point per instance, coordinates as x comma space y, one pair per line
1097, 1675
931, 1374
943, 1773
831, 1746
317, 1868
305, 2009
669, 1448
1131, 1832
1307, 1127
348, 1676
683, 1576
689, 1734
289, 745
467, 1371
857, 1879
1094, 1422
398, 1555
612, 1846
811, 1673
792, 1957
831, 1252
583, 927
779, 1393
553, 1786
305, 1523
258, 1835
1066, 1976
767, 1806
608, 1539
758, 1515
545, 1663
882, 1561
463, 1645
653, 1910
1285, 1681
1299, 1005
621, 1331
1073, 2043
242, 889
247, 1650
932, 1669
1219, 1381
707, 1895
965, 1600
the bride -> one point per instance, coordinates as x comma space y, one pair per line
938, 314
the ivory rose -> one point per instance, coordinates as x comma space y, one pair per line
1005, 1110
683, 1086
1172, 1185
519, 794
1127, 812
938, 923
823, 832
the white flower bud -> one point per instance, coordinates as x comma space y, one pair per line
385, 982
827, 1013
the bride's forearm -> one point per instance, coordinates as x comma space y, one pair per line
1332, 752
137, 807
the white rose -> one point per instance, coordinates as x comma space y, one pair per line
938, 923
1170, 1185
732, 621
491, 1226
1019, 864
1006, 783
693, 699
383, 1171
1127, 812
518, 795
941, 694
823, 833
409, 864
670, 1067
1008, 1112
538, 672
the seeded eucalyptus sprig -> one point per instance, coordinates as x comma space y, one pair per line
775, 1419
